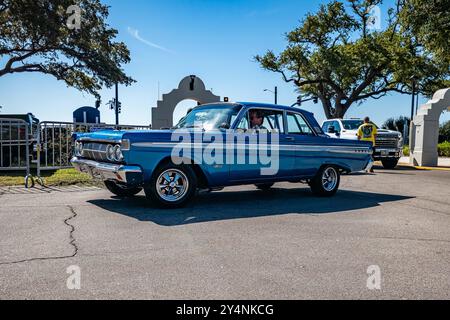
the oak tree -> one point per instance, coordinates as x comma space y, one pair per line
68, 39
339, 55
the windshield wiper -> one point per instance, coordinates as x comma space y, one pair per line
194, 127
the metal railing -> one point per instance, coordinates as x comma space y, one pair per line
46, 146
16, 141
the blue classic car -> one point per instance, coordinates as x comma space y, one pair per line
218, 145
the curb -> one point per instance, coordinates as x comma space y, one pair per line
424, 168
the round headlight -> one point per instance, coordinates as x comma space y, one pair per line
118, 156
110, 152
78, 149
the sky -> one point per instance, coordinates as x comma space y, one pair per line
215, 40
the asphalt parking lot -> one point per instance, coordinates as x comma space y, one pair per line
239, 243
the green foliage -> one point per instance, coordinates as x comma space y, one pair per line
444, 132
428, 22
61, 177
396, 124
444, 149
334, 55
406, 151
34, 37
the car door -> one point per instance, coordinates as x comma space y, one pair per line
304, 143
274, 159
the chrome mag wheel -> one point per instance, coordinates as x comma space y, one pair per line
329, 178
172, 185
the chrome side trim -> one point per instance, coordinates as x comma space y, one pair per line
332, 149
87, 139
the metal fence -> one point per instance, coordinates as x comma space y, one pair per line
16, 140
44, 146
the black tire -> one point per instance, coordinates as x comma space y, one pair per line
188, 180
389, 163
264, 186
122, 190
318, 186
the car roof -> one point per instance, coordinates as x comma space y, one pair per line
258, 105
340, 119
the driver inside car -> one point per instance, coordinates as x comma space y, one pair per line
256, 120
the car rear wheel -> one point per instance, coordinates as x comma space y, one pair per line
171, 186
389, 163
264, 186
122, 190
326, 182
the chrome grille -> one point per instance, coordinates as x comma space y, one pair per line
387, 141
95, 151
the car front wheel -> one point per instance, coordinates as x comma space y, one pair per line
326, 182
171, 186
122, 190
389, 163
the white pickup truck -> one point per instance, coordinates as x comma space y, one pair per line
388, 145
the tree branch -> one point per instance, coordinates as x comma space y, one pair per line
11, 61
373, 94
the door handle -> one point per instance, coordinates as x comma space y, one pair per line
289, 138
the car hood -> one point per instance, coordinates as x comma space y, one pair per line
115, 136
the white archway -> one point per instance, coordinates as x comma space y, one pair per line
425, 130
191, 87
182, 108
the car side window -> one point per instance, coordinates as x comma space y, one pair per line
337, 126
297, 125
325, 126
243, 124
262, 119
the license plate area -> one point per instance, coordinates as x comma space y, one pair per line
98, 174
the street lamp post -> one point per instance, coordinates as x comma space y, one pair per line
413, 96
275, 93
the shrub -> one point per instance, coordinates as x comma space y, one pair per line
444, 132
406, 151
444, 149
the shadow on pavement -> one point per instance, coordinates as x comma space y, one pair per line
245, 204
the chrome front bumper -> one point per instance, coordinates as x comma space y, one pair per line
108, 171
387, 152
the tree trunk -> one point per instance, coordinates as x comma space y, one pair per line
338, 111
327, 107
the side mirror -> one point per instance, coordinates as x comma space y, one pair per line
225, 126
331, 129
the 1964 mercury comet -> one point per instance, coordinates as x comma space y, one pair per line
218, 145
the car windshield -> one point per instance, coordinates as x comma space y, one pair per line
352, 124
210, 117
